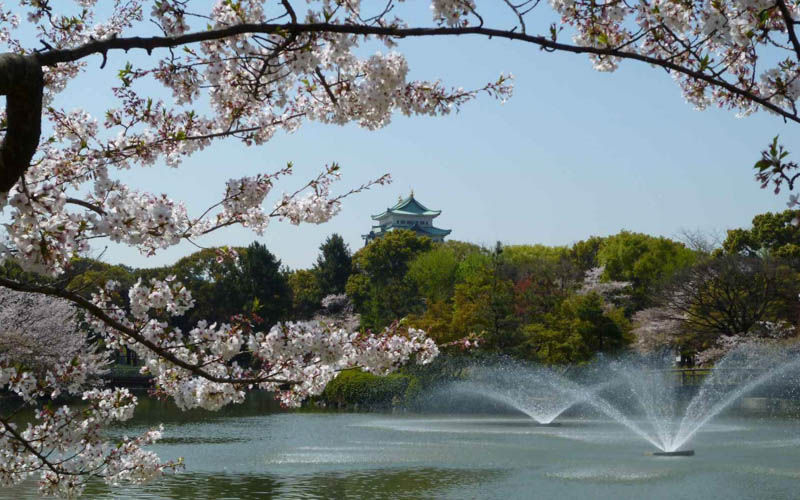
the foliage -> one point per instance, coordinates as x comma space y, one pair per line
87, 276
306, 294
378, 287
581, 326
261, 285
333, 266
436, 321
434, 273
644, 261
584, 253
730, 295
355, 387
483, 302
773, 234
227, 282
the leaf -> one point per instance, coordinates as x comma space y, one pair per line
762, 164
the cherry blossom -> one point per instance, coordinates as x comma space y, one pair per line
245, 71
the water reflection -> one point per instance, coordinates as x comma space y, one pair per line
374, 484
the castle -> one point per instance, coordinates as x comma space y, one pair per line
407, 214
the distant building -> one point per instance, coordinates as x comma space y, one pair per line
407, 214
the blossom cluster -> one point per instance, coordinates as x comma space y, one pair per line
43, 354
199, 368
594, 282
762, 335
452, 12
244, 87
64, 445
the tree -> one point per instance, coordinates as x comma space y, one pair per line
306, 295
730, 295
261, 285
243, 70
378, 287
484, 302
333, 266
584, 253
656, 329
642, 260
543, 276
226, 282
41, 332
434, 273
772, 234
581, 326
211, 280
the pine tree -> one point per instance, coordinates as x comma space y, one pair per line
333, 266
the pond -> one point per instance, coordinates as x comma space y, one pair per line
254, 451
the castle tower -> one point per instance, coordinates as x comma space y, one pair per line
407, 214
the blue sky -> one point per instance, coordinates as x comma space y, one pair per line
573, 153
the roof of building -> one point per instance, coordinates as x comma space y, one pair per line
409, 206
424, 230
430, 230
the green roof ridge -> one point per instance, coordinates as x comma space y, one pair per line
408, 206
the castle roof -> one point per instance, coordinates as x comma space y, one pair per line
419, 229
408, 206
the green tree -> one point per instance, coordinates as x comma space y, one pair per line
584, 253
582, 326
87, 276
333, 266
484, 302
434, 273
772, 234
553, 346
436, 321
262, 286
543, 276
306, 294
644, 261
211, 281
378, 287
224, 287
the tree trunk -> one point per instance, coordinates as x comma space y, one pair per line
21, 81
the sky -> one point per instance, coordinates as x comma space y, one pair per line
573, 153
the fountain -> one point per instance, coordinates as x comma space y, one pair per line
539, 392
641, 393
648, 389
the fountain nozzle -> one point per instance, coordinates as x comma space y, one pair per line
677, 453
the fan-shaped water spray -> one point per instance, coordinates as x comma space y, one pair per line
540, 392
643, 394
648, 398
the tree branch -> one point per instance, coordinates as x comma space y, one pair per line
787, 19
24, 99
52, 57
133, 334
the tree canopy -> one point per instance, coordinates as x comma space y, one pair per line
333, 265
773, 234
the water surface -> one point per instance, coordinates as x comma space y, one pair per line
255, 452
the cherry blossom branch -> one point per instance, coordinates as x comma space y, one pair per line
56, 56
133, 334
787, 19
